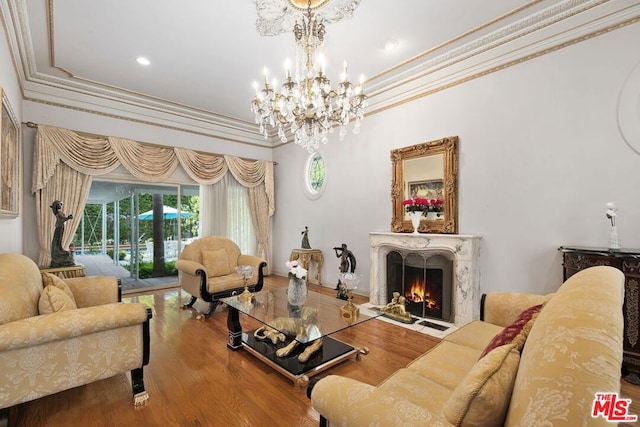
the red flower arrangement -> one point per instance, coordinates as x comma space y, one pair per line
423, 205
436, 205
416, 205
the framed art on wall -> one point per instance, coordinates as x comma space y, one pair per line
9, 160
429, 189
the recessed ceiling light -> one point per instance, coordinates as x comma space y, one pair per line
391, 44
142, 60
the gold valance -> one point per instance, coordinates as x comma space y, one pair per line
150, 163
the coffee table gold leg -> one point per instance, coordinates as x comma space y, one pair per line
301, 381
362, 351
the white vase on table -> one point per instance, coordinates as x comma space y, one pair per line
415, 216
297, 291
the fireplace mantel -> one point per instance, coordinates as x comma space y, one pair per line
463, 250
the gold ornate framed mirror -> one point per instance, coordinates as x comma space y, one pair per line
428, 170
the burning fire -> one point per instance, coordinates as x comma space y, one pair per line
418, 292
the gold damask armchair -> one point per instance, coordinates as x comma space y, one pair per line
56, 334
207, 270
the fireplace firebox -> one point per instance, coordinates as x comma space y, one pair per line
425, 282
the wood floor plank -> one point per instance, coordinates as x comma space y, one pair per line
193, 379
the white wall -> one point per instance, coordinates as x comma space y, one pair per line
10, 228
540, 155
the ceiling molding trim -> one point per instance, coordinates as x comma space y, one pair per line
529, 44
143, 101
14, 37
452, 41
567, 43
483, 50
498, 37
147, 122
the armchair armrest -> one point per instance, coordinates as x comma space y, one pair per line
61, 325
345, 401
93, 290
503, 308
189, 267
192, 276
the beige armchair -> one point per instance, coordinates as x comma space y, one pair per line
56, 334
207, 270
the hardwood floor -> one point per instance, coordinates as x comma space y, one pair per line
193, 379
631, 391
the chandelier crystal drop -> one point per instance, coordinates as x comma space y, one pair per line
306, 104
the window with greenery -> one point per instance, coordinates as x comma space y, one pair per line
316, 173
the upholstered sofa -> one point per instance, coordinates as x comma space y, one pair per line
207, 270
572, 351
56, 333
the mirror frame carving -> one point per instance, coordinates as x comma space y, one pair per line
448, 147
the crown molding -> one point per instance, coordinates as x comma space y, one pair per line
538, 28
563, 24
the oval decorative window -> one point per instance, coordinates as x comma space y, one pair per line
315, 176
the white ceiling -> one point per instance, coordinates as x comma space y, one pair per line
205, 54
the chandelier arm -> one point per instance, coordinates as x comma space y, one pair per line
306, 105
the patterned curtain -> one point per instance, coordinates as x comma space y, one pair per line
93, 156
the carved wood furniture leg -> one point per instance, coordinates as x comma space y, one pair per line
235, 329
190, 303
140, 395
210, 310
4, 417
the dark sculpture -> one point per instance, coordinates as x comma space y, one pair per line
305, 238
59, 256
347, 265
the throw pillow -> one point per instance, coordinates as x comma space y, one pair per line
49, 279
53, 299
482, 397
216, 262
516, 332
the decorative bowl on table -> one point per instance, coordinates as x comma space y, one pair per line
349, 282
246, 272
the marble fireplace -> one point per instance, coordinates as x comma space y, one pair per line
460, 281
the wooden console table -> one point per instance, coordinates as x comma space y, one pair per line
576, 258
305, 256
65, 272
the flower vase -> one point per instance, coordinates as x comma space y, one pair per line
297, 291
415, 220
432, 215
614, 240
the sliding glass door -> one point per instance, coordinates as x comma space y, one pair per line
141, 227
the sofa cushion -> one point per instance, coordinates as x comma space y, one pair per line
49, 279
408, 386
54, 299
483, 396
516, 332
216, 262
446, 364
475, 334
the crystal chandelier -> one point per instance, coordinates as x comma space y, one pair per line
306, 104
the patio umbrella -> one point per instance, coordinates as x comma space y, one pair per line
167, 213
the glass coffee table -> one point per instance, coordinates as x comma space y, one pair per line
300, 332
